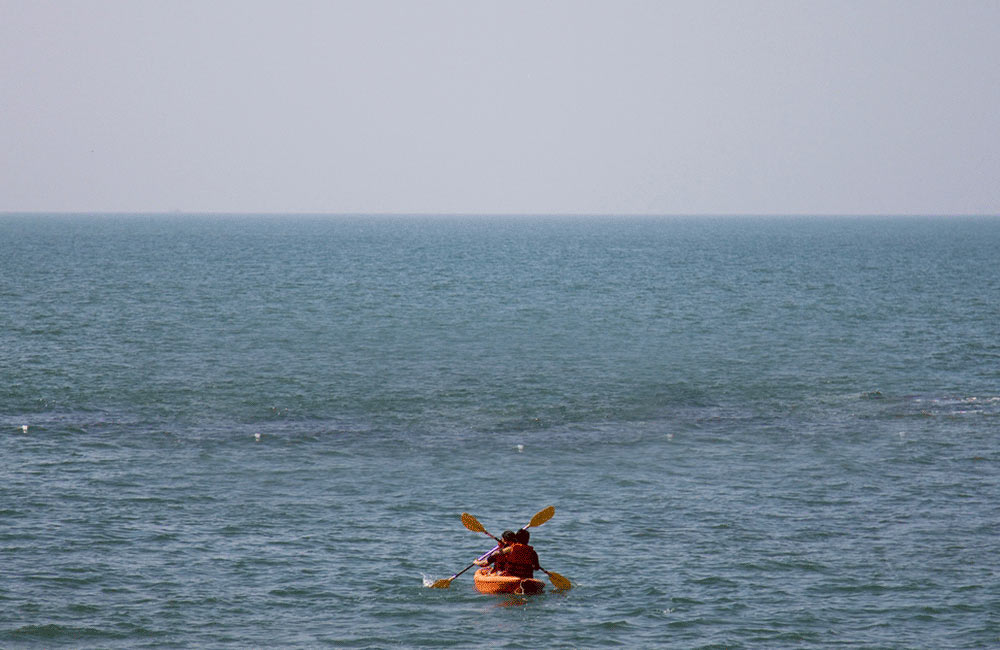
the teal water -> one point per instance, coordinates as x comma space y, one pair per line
756, 432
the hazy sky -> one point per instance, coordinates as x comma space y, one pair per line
582, 106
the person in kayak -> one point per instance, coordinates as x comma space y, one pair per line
516, 558
522, 561
497, 557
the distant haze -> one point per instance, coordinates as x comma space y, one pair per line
394, 106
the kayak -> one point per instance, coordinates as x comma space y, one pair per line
487, 583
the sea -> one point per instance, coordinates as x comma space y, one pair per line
261, 431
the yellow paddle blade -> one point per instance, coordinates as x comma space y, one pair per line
542, 517
443, 583
472, 523
558, 581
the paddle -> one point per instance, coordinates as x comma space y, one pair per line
558, 581
444, 583
473, 524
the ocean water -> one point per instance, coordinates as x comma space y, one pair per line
248, 431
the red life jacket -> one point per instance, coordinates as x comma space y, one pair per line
521, 559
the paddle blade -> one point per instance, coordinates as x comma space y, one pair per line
472, 523
443, 583
542, 517
559, 582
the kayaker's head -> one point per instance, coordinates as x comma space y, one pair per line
522, 536
508, 537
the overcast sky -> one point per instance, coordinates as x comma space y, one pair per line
582, 106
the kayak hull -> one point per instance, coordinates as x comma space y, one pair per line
487, 583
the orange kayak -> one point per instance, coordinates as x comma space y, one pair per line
487, 583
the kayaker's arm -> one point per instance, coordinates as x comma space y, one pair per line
489, 558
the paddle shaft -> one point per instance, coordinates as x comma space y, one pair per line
478, 559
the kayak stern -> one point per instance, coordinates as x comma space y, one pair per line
487, 583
